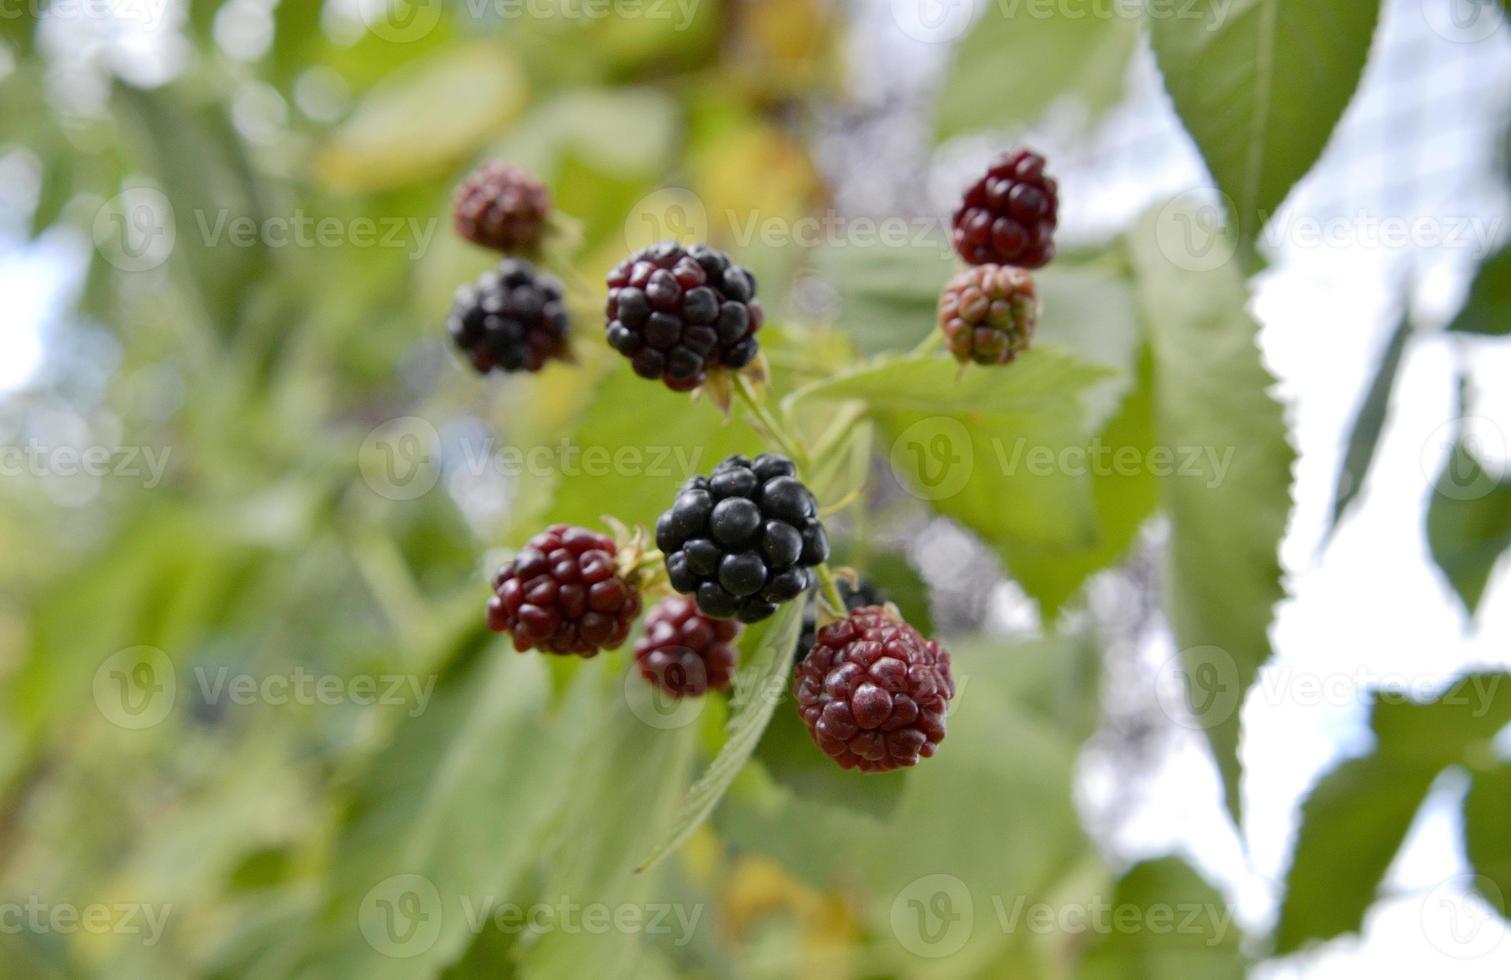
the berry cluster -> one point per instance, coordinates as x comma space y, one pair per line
863, 593
563, 594
501, 207
743, 539
988, 312
873, 692
678, 313
685, 653
512, 319
1008, 216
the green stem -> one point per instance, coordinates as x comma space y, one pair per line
933, 340
788, 443
830, 589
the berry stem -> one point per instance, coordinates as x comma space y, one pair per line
788, 443
930, 342
830, 590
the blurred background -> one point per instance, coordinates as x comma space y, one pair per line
251, 725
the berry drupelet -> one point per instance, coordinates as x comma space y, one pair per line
563, 594
1008, 216
873, 692
512, 319
678, 313
501, 207
988, 313
685, 653
861, 594
743, 539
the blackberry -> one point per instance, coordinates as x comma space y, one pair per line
685, 653
743, 539
678, 313
1008, 216
873, 692
563, 594
863, 594
501, 207
988, 312
512, 319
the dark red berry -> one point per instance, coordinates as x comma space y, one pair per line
743, 539
873, 692
501, 207
685, 653
512, 319
988, 313
563, 594
678, 313
862, 594
1008, 216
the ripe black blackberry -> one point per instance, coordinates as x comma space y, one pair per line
988, 313
743, 539
862, 594
873, 692
512, 319
685, 653
563, 594
1008, 216
678, 313
501, 207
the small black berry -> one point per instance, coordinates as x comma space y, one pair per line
512, 319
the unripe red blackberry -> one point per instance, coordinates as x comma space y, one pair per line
1008, 216
873, 692
678, 313
501, 207
512, 319
743, 539
563, 594
862, 594
685, 653
988, 313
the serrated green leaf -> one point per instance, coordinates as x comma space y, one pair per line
1226, 518
759, 685
1015, 62
1186, 929
1446, 729
1488, 308
1486, 842
1468, 524
1369, 423
1260, 84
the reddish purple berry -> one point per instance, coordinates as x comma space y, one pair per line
501, 207
988, 313
685, 653
873, 692
563, 594
1008, 216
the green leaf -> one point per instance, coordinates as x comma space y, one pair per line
1488, 308
1485, 839
1260, 84
1369, 423
1228, 513
789, 755
1468, 524
1016, 62
1185, 929
1352, 824
759, 685
888, 295
1454, 727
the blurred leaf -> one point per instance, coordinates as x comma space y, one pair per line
1185, 929
789, 755
1260, 84
887, 294
396, 135
617, 130
1369, 423
296, 28
1015, 62
903, 585
485, 746
766, 663
1485, 839
1229, 510
1468, 524
628, 780
1488, 308
1355, 819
